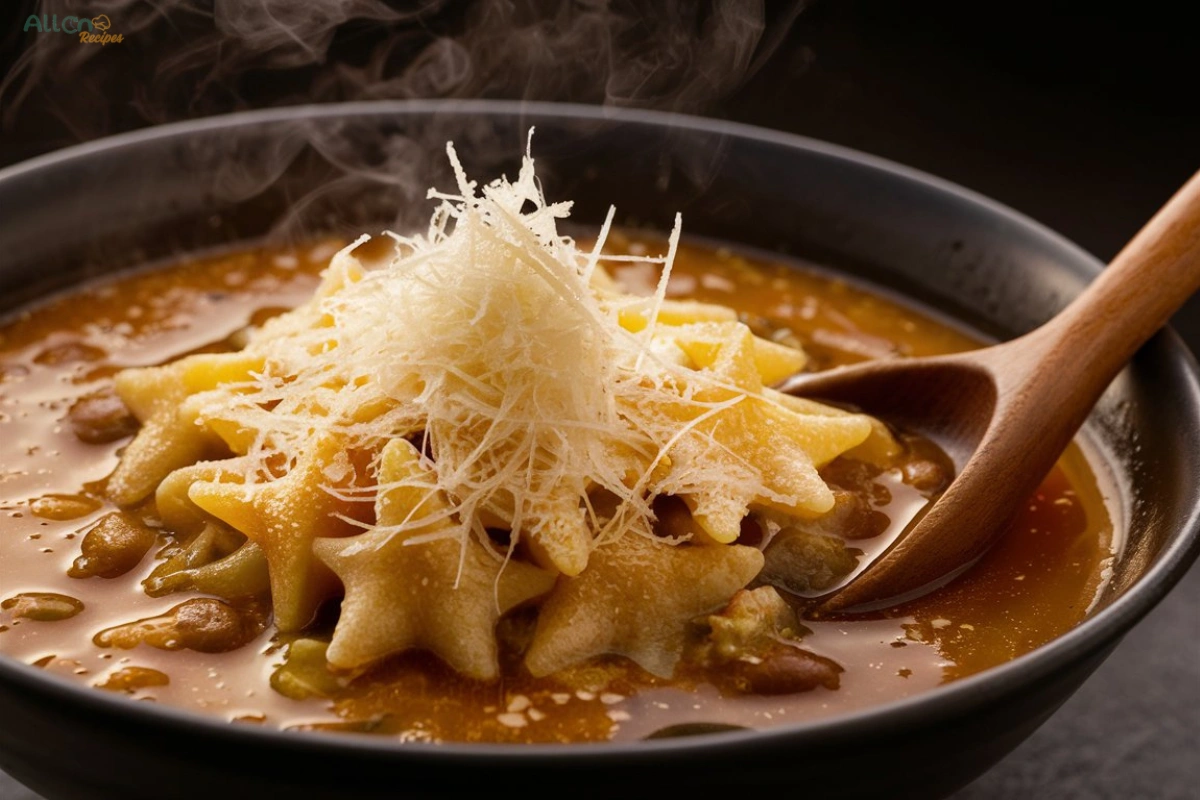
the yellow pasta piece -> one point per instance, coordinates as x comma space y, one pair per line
176, 509
211, 370
636, 599
768, 453
703, 342
636, 316
170, 436
880, 448
775, 361
284, 516
444, 595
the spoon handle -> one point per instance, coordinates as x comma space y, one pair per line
1087, 344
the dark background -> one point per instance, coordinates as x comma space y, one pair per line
1086, 122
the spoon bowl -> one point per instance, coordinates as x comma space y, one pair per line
1005, 413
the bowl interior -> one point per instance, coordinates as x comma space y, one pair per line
285, 175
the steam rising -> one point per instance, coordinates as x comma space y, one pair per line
187, 58
183, 59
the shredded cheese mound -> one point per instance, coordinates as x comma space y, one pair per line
532, 385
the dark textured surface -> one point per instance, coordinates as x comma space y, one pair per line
1077, 122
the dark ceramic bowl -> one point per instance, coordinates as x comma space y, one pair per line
180, 188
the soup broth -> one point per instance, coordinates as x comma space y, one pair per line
62, 429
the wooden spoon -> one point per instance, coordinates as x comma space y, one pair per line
1005, 413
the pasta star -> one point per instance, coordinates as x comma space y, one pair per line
176, 509
636, 599
558, 534
784, 446
283, 517
169, 437
443, 595
551, 521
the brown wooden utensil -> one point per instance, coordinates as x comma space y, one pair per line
1005, 413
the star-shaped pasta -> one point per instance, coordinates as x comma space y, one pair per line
443, 595
176, 509
754, 435
169, 437
284, 516
636, 599
551, 520
558, 534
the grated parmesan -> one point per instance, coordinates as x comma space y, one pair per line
496, 344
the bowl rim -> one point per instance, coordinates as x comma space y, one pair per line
1089, 637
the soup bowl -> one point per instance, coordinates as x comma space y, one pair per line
289, 173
